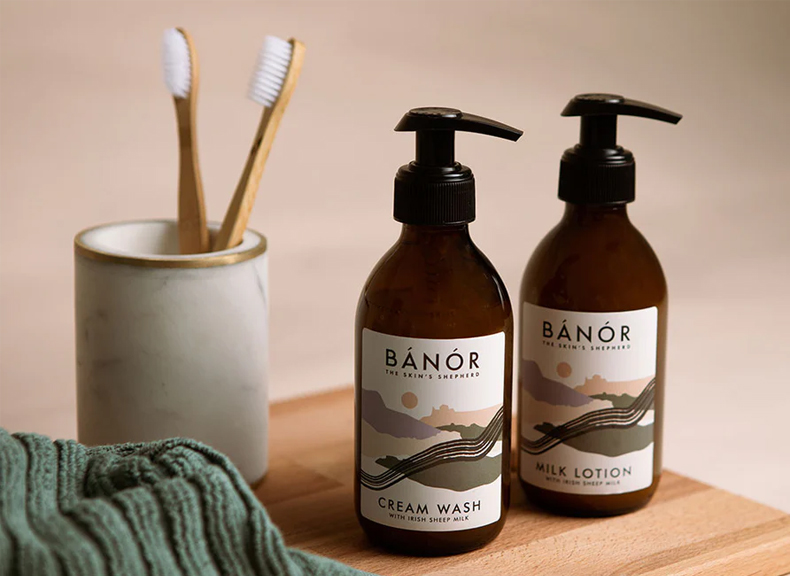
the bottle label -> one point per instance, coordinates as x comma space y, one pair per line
431, 431
587, 383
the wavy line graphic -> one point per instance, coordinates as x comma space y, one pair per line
607, 418
451, 451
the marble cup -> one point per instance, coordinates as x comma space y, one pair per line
172, 345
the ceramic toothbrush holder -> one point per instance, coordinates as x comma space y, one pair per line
172, 345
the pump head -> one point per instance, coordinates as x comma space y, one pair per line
434, 189
597, 170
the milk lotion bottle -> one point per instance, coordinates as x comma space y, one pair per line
593, 333
434, 337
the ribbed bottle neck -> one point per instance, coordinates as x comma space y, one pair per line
448, 235
592, 214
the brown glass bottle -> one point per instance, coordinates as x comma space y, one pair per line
434, 283
434, 337
595, 260
592, 332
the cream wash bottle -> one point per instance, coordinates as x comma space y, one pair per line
434, 337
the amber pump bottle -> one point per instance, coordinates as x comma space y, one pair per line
593, 333
434, 337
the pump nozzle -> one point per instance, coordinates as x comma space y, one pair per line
609, 104
597, 170
436, 128
434, 189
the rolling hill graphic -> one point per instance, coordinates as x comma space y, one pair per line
598, 386
608, 441
392, 422
374, 444
605, 419
456, 476
599, 417
451, 452
445, 415
536, 412
443, 453
547, 390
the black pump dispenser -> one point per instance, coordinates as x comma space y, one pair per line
434, 189
597, 170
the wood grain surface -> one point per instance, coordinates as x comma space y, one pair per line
688, 528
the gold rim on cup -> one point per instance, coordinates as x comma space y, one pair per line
204, 260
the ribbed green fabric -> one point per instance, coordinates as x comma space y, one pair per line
167, 508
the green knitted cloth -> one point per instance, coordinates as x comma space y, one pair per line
167, 508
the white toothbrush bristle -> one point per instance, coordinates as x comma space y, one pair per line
176, 63
270, 71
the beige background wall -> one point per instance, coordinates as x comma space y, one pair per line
87, 136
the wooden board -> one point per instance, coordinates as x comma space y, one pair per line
688, 528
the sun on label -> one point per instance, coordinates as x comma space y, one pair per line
409, 400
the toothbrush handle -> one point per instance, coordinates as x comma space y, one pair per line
238, 214
192, 228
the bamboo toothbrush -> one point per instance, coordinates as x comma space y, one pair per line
180, 64
271, 86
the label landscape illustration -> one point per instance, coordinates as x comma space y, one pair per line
587, 391
431, 431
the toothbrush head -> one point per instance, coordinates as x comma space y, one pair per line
176, 62
274, 59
